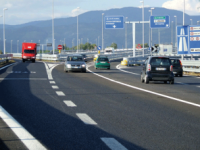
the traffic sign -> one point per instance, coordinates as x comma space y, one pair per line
139, 46
99, 47
114, 22
188, 39
159, 21
60, 47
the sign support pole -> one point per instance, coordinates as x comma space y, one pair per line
133, 32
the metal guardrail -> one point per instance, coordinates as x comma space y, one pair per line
5, 57
191, 65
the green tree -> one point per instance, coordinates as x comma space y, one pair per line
114, 45
1, 52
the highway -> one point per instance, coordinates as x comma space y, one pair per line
97, 110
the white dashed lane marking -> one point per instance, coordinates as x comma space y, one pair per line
69, 103
52, 82
113, 144
86, 119
60, 93
55, 87
126, 71
20, 72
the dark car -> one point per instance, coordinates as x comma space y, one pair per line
84, 57
177, 67
75, 63
157, 69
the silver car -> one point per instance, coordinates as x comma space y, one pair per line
75, 63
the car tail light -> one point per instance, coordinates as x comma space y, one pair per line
180, 63
108, 62
171, 68
149, 67
97, 61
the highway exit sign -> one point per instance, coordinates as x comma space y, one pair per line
159, 22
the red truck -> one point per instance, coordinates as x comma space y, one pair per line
29, 51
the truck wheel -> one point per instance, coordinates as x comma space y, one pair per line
33, 61
23, 60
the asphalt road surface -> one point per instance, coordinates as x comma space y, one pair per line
97, 110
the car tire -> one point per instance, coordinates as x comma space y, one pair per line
109, 68
176, 75
146, 80
33, 61
181, 75
142, 80
171, 82
165, 82
23, 60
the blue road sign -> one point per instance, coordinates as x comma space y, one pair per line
159, 21
114, 22
188, 39
99, 47
149, 48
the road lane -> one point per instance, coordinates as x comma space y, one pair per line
123, 116
139, 118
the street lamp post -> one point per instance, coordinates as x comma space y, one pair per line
143, 24
183, 12
77, 29
11, 46
17, 46
197, 22
176, 30
4, 47
172, 34
98, 40
102, 30
191, 21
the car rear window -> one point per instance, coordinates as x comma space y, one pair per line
74, 58
102, 59
160, 61
175, 61
29, 51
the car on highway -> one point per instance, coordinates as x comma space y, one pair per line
102, 62
157, 68
75, 63
177, 67
84, 57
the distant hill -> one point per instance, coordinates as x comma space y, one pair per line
90, 27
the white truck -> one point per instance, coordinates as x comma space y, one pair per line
109, 50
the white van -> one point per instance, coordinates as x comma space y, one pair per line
109, 50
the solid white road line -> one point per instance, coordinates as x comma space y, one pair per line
113, 144
147, 91
7, 66
60, 93
69, 103
126, 71
198, 86
52, 82
29, 141
55, 87
23, 79
86, 119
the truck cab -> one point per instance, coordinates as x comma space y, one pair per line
29, 51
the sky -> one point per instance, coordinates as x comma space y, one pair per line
23, 11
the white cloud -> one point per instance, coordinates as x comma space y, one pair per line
191, 6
